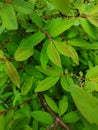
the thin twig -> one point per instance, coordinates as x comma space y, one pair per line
13, 108
78, 77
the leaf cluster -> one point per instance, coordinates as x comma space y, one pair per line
48, 64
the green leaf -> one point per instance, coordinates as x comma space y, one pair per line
86, 103
67, 50
22, 120
35, 124
58, 26
94, 10
27, 85
1, 54
92, 73
8, 17
42, 128
65, 84
63, 105
2, 121
53, 54
92, 83
28, 128
75, 57
70, 117
32, 40
17, 98
2, 28
93, 57
32, 71
63, 5
81, 6
3, 80
43, 54
51, 104
88, 28
8, 120
93, 20
11, 48
49, 71
93, 46
91, 86
22, 54
72, 32
36, 19
63, 48
26, 110
12, 73
3, 75
22, 6
46, 84
78, 42
43, 117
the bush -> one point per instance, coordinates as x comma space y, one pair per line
48, 65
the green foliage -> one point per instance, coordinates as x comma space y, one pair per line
59, 25
53, 54
27, 86
48, 64
51, 104
12, 73
89, 29
26, 7
85, 103
63, 6
71, 117
22, 54
8, 17
46, 84
43, 117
